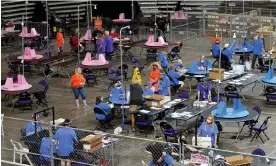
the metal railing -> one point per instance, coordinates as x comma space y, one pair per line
112, 150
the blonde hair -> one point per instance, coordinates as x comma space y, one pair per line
213, 119
76, 70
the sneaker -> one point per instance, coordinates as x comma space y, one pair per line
77, 108
133, 129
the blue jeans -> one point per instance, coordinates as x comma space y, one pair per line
78, 92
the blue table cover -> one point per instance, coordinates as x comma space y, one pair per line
247, 48
269, 77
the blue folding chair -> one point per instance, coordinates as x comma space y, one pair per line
169, 131
260, 128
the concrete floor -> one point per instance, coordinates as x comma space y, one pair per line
61, 97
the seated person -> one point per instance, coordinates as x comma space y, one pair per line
163, 60
30, 127
108, 46
116, 93
105, 108
179, 67
203, 64
164, 85
160, 155
226, 57
204, 91
209, 129
155, 75
216, 49
45, 148
148, 90
174, 77
114, 34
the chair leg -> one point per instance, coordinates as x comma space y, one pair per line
266, 135
260, 138
254, 136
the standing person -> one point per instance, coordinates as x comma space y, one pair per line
209, 129
164, 85
77, 82
101, 44
203, 91
60, 41
108, 46
258, 48
66, 138
161, 25
155, 75
163, 60
135, 101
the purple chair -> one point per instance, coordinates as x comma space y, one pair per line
112, 76
259, 152
260, 128
173, 55
41, 96
183, 95
251, 123
13, 68
168, 131
215, 99
125, 71
25, 99
141, 67
151, 57
143, 122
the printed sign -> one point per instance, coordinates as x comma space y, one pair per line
199, 159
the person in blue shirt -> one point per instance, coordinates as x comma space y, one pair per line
209, 129
101, 44
66, 138
216, 49
161, 156
226, 57
148, 91
164, 85
105, 108
204, 91
108, 46
174, 77
116, 94
45, 148
30, 127
203, 64
258, 48
163, 60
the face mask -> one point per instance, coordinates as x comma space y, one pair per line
202, 61
118, 87
209, 121
101, 98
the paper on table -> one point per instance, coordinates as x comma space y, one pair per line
144, 111
154, 108
177, 100
154, 103
231, 82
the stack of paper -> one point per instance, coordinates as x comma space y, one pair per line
144, 111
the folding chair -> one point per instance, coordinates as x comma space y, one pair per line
168, 131
112, 76
143, 122
41, 96
251, 123
260, 128
19, 150
104, 123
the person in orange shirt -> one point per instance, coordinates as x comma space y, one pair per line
216, 38
60, 41
155, 75
77, 82
98, 23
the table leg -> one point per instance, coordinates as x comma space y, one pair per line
239, 131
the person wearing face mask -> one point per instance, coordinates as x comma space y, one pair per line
30, 127
203, 64
116, 93
163, 60
105, 108
203, 91
164, 85
258, 48
148, 91
209, 129
226, 57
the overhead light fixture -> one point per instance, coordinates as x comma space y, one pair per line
26, 1
95, 6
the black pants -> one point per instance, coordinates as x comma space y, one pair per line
159, 34
260, 61
108, 56
225, 63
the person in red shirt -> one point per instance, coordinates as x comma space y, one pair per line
77, 82
114, 34
216, 38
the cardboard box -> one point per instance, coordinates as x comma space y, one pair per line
157, 100
239, 160
216, 73
92, 142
